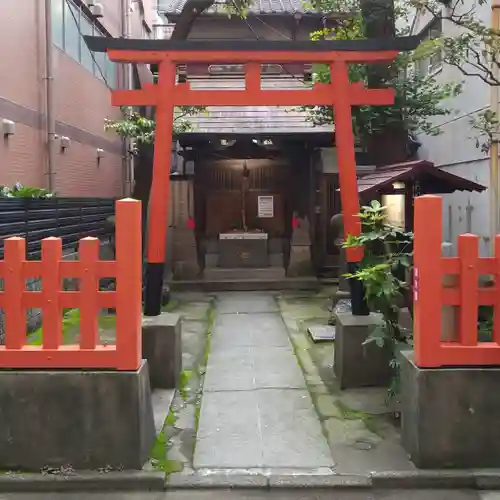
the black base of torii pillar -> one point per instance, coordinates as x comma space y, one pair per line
153, 290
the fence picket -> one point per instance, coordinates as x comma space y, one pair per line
51, 288
14, 286
468, 253
88, 251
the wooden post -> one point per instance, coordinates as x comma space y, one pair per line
427, 284
128, 284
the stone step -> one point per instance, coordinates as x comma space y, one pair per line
250, 273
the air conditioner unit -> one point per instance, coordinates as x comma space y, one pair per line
97, 10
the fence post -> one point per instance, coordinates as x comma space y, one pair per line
128, 284
427, 280
14, 287
88, 250
468, 253
51, 289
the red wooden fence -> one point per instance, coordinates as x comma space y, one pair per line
430, 296
127, 269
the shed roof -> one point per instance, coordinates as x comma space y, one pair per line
439, 181
257, 7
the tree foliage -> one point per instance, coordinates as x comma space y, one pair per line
141, 130
418, 97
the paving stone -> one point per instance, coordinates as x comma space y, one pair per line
230, 370
228, 432
291, 433
276, 367
250, 330
246, 303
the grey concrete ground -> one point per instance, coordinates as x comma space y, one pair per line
256, 410
264, 495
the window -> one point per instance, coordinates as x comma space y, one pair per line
72, 31
69, 25
433, 64
58, 23
87, 59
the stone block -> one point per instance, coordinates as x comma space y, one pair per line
450, 415
276, 259
300, 263
275, 245
355, 364
82, 419
211, 259
162, 347
234, 253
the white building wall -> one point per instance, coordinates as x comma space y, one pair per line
455, 149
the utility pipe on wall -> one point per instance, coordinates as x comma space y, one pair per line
49, 95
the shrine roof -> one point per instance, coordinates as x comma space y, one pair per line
173, 7
251, 119
438, 181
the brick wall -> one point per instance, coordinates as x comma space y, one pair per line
82, 102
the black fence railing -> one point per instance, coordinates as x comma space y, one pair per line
67, 218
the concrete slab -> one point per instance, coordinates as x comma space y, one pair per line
291, 432
228, 432
230, 370
321, 333
246, 303
276, 367
245, 330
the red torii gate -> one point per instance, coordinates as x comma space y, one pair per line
166, 93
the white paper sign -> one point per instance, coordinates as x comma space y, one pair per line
266, 207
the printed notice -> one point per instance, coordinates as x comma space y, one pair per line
266, 207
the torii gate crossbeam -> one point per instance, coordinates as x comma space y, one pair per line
341, 94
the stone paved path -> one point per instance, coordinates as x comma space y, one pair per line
256, 410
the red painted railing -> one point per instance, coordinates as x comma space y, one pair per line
15, 299
430, 296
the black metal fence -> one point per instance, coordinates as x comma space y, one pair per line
67, 218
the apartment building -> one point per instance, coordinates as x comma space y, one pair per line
54, 91
455, 149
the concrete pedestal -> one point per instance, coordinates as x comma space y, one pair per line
450, 415
355, 364
82, 419
162, 347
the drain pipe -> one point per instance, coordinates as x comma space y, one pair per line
49, 95
126, 7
